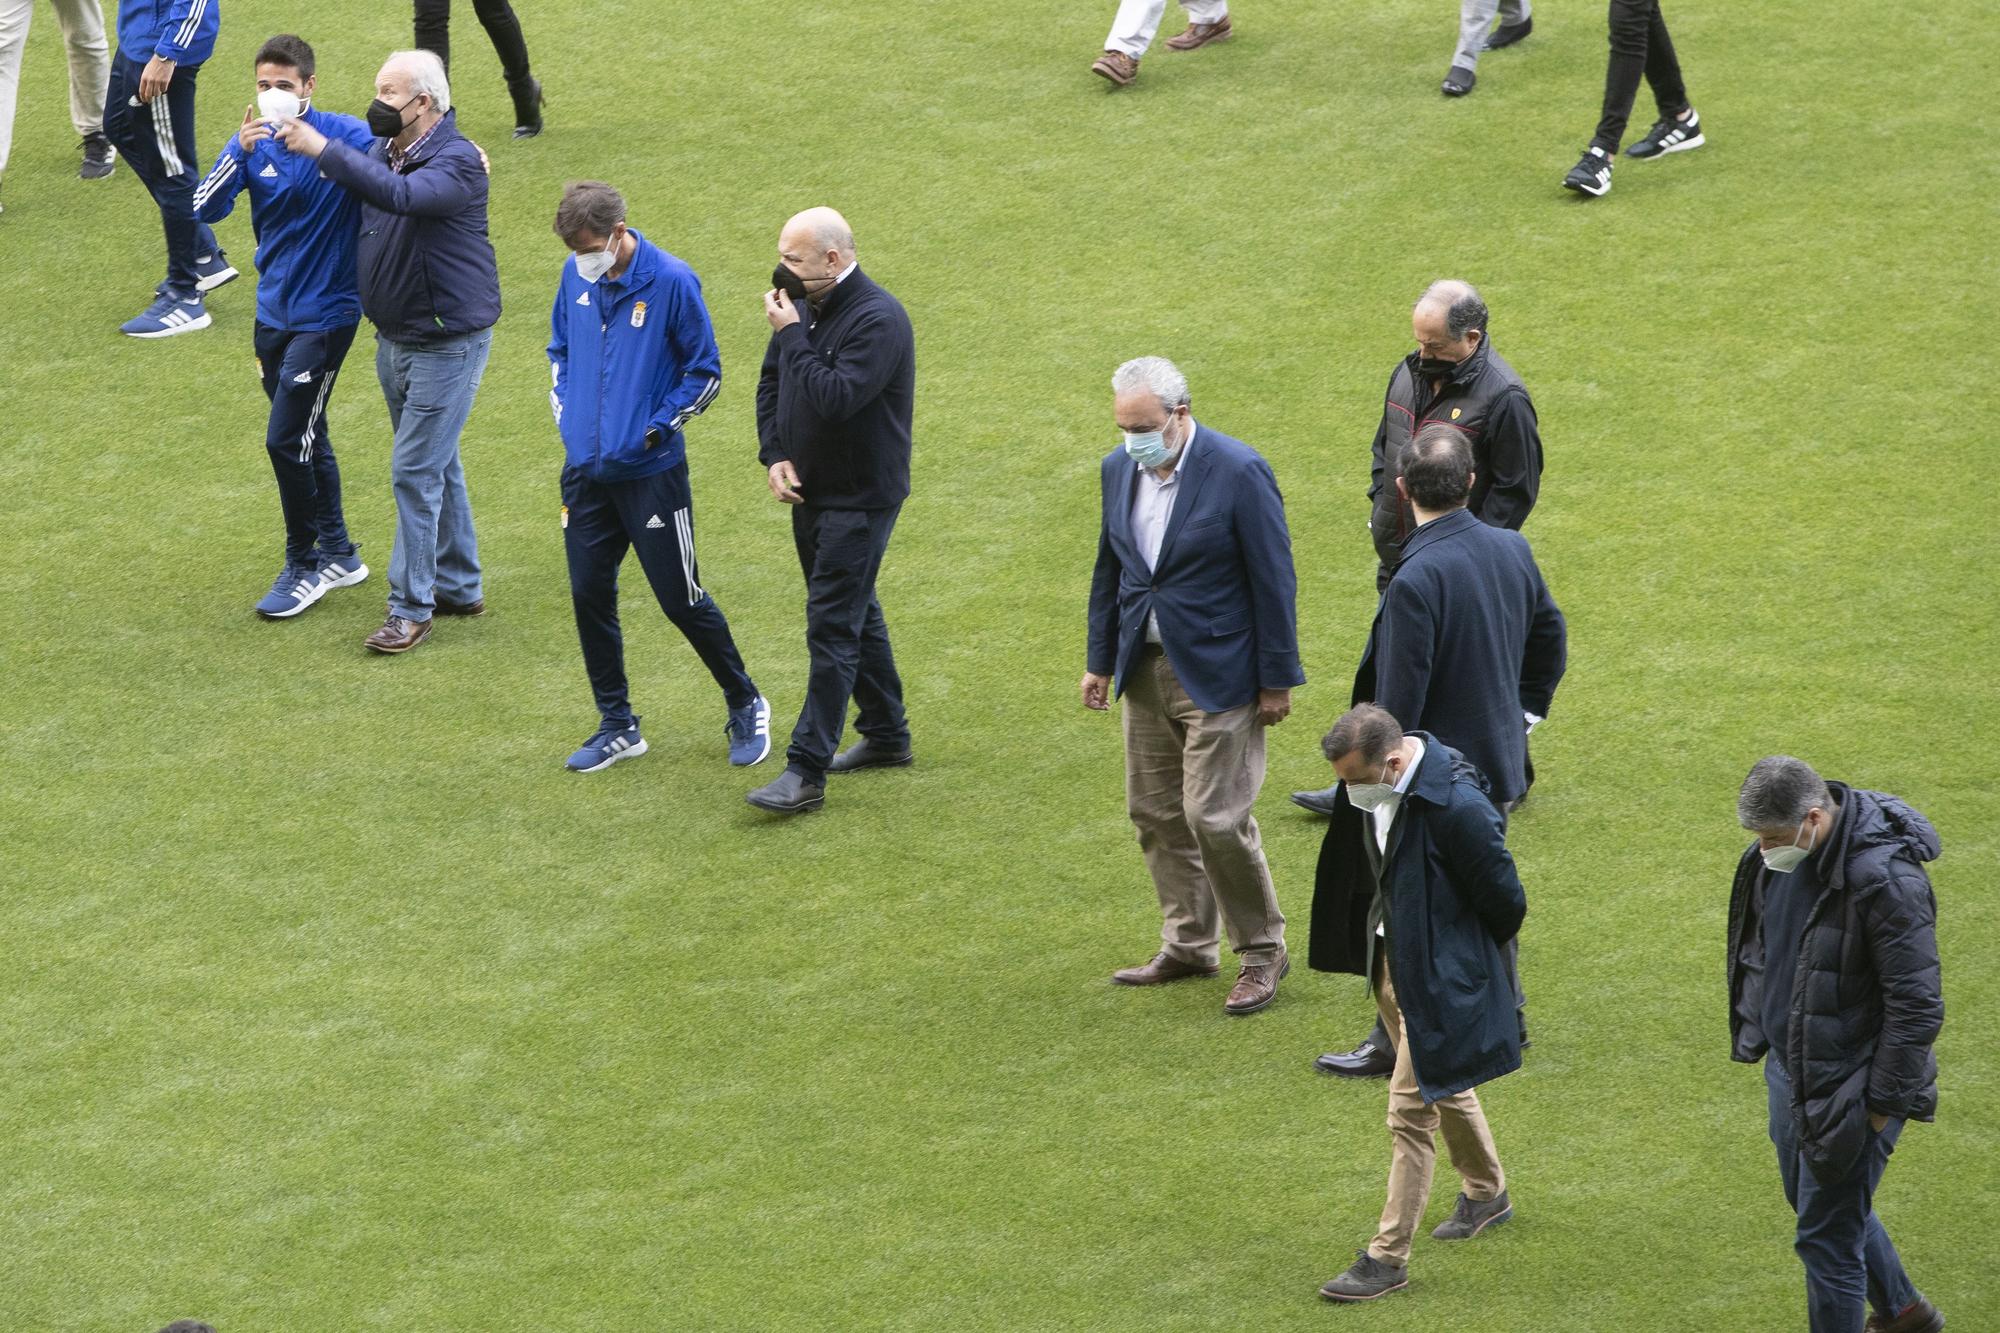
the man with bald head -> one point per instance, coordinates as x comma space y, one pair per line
430, 284
833, 429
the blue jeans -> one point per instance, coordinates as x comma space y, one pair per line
1850, 1264
429, 388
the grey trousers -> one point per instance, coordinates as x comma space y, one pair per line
1475, 23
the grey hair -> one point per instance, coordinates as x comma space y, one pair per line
588, 207
1463, 308
1779, 792
1155, 373
1368, 728
426, 74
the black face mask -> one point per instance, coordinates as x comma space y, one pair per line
789, 283
385, 121
1434, 367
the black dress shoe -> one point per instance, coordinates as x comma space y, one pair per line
1319, 802
790, 794
865, 753
1509, 33
1458, 81
1365, 1061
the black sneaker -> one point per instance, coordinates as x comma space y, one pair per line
1591, 175
528, 103
1670, 136
1367, 1279
1507, 34
100, 159
1458, 81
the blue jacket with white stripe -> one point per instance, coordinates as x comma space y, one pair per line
630, 357
306, 225
182, 31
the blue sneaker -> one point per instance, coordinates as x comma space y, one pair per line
295, 589
749, 729
606, 748
341, 571
167, 316
211, 271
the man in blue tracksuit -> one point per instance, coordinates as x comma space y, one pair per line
308, 306
149, 117
633, 359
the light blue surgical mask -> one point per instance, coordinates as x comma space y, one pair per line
1148, 448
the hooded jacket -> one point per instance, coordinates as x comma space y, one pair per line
1867, 1001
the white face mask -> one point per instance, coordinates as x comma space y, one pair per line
1371, 795
277, 104
592, 267
1784, 860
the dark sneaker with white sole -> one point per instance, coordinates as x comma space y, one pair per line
100, 159
1367, 1279
212, 271
296, 588
1473, 1216
1591, 175
611, 743
749, 729
1670, 136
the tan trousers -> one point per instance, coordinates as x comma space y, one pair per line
1190, 781
89, 63
1414, 1153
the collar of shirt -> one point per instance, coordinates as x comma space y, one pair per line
399, 157
841, 276
1385, 813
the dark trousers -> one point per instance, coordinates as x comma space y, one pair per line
157, 142
299, 369
1378, 1036
653, 516
496, 16
1639, 45
1850, 1262
841, 552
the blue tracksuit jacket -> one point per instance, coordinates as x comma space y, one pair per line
306, 226
182, 31
627, 356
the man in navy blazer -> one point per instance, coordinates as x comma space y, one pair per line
1467, 644
1193, 623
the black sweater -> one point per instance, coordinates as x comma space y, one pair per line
835, 399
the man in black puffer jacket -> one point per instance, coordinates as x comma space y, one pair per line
1833, 971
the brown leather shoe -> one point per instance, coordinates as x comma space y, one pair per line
397, 635
1164, 968
1256, 986
477, 608
1116, 66
1200, 34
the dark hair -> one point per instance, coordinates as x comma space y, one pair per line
195, 1325
1366, 728
588, 206
1437, 467
285, 49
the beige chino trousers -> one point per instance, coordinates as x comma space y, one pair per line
1191, 779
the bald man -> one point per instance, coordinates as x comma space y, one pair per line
833, 429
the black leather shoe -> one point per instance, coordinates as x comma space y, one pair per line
1458, 81
1365, 1061
1319, 802
865, 753
790, 794
1509, 33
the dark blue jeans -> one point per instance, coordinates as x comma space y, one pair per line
841, 552
1850, 1264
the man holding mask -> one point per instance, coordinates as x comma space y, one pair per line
1834, 984
1193, 621
307, 310
634, 361
834, 402
430, 284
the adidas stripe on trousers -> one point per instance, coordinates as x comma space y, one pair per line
653, 516
157, 142
298, 368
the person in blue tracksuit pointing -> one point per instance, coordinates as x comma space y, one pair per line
308, 306
634, 359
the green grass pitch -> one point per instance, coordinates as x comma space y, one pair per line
331, 1002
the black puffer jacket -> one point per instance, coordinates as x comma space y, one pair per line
1867, 1002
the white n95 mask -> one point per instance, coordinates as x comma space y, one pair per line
277, 104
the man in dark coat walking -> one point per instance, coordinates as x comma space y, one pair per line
1833, 982
1417, 892
1468, 644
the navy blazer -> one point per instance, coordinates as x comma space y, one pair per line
1466, 638
1223, 589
